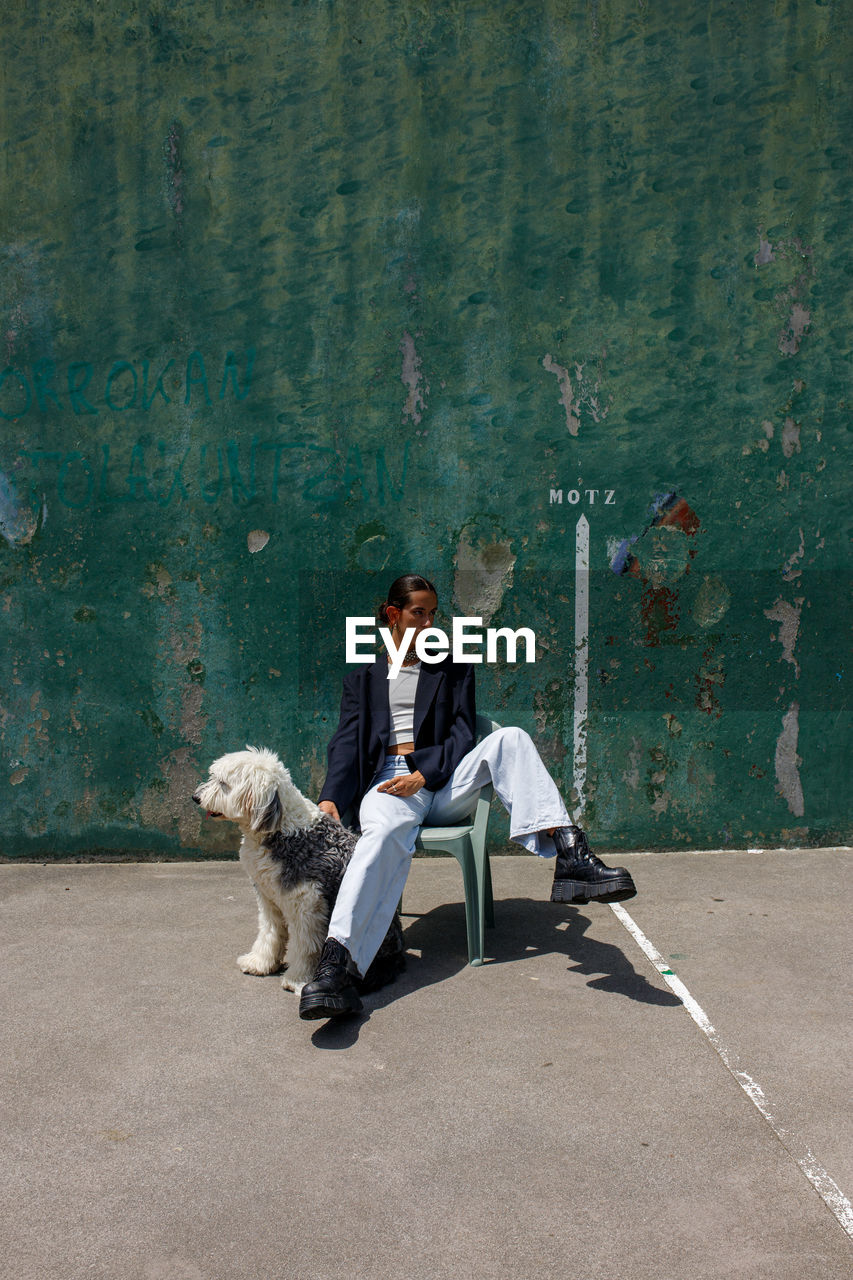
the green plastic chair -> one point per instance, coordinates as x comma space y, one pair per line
468, 845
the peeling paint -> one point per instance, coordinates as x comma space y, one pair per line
788, 783
660, 610
374, 552
566, 394
667, 511
792, 335
790, 253
158, 582
438, 228
789, 572
788, 617
631, 776
185, 651
790, 437
710, 678
698, 775
168, 807
18, 523
164, 803
411, 376
763, 444
483, 574
257, 540
664, 557
658, 795
712, 602
660, 804
371, 547
583, 396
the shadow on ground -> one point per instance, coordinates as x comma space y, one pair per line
523, 929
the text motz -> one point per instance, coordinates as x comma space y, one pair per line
582, 497
433, 644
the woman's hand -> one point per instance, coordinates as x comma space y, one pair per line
329, 807
404, 785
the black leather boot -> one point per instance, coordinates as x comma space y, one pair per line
581, 876
331, 993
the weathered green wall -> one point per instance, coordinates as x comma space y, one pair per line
374, 279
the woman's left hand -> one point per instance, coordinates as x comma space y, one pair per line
404, 785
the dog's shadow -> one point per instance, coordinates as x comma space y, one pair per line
523, 929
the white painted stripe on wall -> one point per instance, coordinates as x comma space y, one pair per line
581, 699
826, 1187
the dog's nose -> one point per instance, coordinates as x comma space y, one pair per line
196, 800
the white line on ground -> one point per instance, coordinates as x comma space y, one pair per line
828, 1190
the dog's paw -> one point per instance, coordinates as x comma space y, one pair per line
257, 965
292, 984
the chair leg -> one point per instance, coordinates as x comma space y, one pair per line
474, 905
480, 873
487, 895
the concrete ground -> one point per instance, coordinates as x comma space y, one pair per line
555, 1113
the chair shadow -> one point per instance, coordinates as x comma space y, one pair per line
524, 928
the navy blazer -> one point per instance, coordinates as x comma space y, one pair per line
444, 728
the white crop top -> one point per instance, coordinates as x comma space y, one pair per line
401, 703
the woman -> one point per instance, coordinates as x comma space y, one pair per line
405, 751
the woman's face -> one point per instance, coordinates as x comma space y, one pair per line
418, 613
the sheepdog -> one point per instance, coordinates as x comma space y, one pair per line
295, 857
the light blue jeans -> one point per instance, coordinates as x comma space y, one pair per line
373, 882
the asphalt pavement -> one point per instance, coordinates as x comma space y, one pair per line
567, 1110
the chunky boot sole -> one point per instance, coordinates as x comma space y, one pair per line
616, 889
321, 1005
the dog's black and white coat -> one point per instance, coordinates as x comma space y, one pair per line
295, 857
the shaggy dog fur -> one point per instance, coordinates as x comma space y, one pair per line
295, 857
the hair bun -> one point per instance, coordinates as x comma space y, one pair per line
400, 592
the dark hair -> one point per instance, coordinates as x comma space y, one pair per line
401, 591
